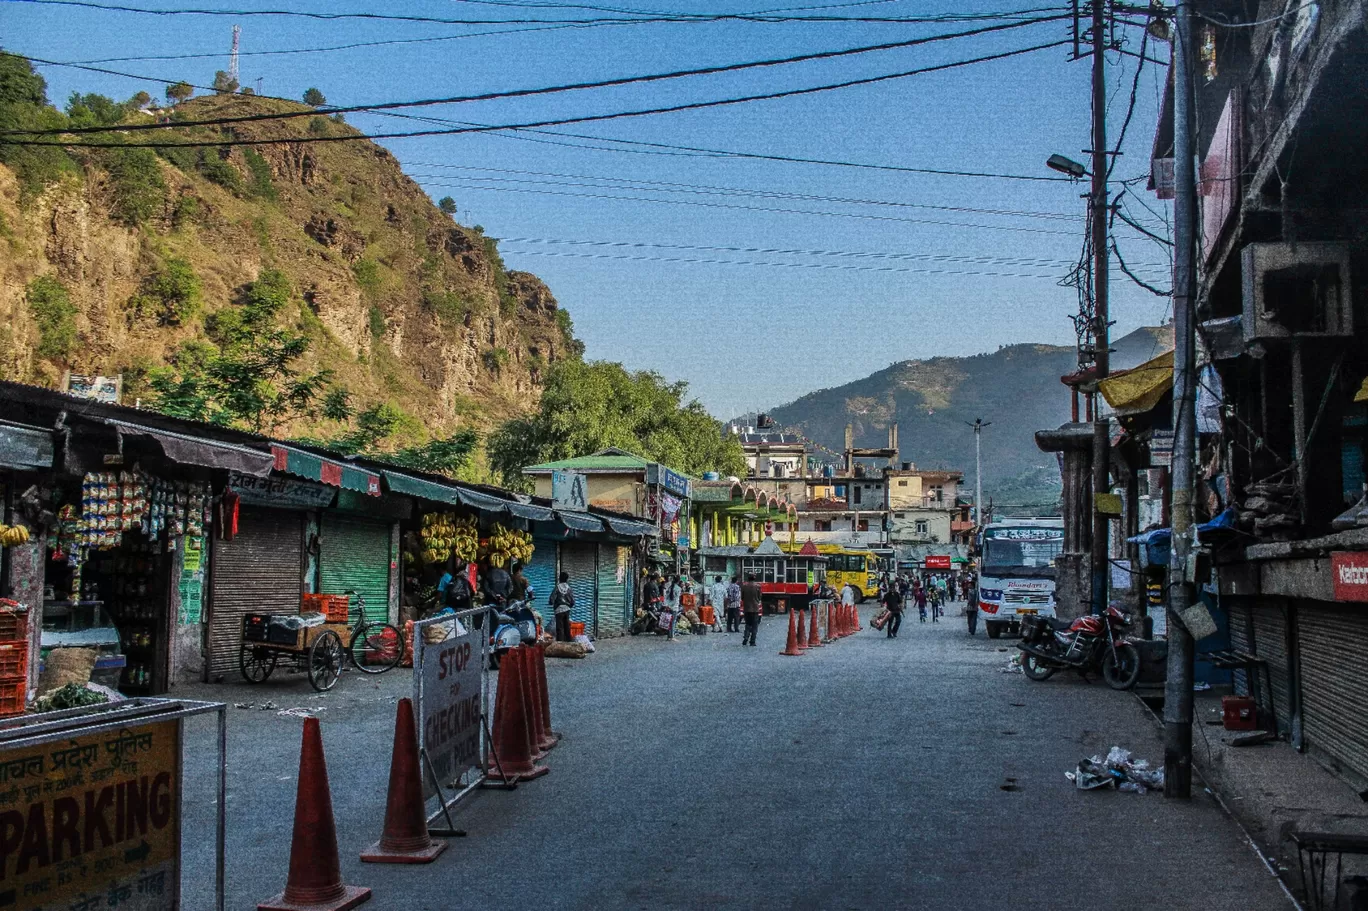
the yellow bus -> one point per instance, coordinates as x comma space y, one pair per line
857, 566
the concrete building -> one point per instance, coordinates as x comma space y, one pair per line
922, 505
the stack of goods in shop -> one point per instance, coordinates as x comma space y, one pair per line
14, 649
134, 600
445, 534
506, 546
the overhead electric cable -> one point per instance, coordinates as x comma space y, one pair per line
524, 93
586, 118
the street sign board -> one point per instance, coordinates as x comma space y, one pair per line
450, 700
937, 561
93, 821
1349, 570
569, 490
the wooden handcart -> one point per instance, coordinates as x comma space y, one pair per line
316, 650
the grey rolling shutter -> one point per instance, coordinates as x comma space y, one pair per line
612, 595
354, 556
259, 571
1269, 633
578, 559
1241, 640
1332, 644
540, 573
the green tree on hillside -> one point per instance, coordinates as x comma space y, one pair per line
94, 110
247, 373
24, 106
314, 98
224, 84
179, 92
447, 205
586, 407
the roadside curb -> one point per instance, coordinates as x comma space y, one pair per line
1269, 865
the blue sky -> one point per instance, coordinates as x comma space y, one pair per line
743, 336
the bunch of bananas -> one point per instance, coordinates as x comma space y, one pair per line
446, 533
505, 546
11, 535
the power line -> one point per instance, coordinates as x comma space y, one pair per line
438, 20
664, 186
587, 118
530, 92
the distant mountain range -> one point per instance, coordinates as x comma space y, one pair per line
1016, 388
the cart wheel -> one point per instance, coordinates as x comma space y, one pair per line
325, 661
377, 648
256, 663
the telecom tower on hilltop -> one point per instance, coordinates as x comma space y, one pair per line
233, 57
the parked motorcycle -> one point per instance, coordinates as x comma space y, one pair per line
515, 625
646, 622
1089, 643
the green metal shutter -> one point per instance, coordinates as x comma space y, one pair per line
540, 573
612, 594
578, 559
354, 555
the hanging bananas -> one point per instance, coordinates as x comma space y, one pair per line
446, 533
505, 546
10, 535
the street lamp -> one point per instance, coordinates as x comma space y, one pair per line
1066, 166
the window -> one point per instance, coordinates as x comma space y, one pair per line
856, 492
822, 525
864, 525
902, 483
900, 515
781, 526
922, 527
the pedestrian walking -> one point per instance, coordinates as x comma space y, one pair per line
971, 614
750, 608
674, 590
733, 604
893, 602
562, 600
919, 596
717, 596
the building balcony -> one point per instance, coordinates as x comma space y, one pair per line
874, 538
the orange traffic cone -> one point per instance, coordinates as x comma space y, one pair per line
814, 636
854, 619
845, 621
315, 879
512, 744
545, 694
833, 622
405, 839
802, 629
531, 703
791, 648
536, 681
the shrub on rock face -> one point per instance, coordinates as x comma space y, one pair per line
55, 316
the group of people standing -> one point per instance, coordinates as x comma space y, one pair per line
928, 593
732, 600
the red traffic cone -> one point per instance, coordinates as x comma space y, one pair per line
791, 648
845, 621
802, 629
545, 695
833, 611
512, 743
814, 636
315, 879
531, 703
405, 838
854, 619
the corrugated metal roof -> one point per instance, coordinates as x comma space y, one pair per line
603, 460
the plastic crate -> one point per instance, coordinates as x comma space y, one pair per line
13, 696
576, 629
334, 608
14, 625
13, 660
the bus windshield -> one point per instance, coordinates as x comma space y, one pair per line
1021, 552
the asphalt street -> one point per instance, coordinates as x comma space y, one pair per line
870, 774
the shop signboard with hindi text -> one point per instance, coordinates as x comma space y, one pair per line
93, 821
274, 490
448, 674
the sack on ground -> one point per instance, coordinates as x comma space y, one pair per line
66, 665
585, 641
880, 621
565, 650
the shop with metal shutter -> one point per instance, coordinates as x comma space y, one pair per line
613, 570
259, 570
354, 555
579, 559
1240, 618
1269, 634
1332, 650
540, 573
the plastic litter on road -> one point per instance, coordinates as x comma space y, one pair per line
1119, 770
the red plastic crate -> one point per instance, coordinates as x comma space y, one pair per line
333, 607
14, 625
12, 698
1239, 713
14, 660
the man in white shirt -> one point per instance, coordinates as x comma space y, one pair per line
717, 596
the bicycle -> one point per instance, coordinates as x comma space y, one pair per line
375, 647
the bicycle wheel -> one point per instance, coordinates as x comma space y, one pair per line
376, 648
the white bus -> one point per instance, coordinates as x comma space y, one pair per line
1017, 571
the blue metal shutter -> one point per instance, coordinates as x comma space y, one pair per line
612, 594
354, 555
578, 558
540, 573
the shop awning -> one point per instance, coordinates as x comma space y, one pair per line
326, 471
579, 521
425, 490
531, 511
630, 529
22, 446
1139, 389
482, 501
206, 453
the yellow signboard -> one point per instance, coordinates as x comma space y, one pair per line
92, 822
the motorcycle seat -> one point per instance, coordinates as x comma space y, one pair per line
1056, 624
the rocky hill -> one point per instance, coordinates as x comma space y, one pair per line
1017, 388
111, 260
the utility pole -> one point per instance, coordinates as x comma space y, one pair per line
1101, 329
1178, 686
978, 426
